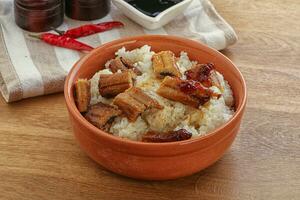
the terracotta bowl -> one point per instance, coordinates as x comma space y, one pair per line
155, 161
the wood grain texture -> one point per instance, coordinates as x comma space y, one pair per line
39, 158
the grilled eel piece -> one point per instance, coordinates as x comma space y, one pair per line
170, 89
188, 92
134, 101
171, 136
102, 115
164, 64
205, 74
111, 85
82, 94
123, 64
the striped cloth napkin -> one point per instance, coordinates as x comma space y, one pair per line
31, 68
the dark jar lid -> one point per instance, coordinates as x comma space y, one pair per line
87, 9
39, 15
38, 4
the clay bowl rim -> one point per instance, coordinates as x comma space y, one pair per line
118, 140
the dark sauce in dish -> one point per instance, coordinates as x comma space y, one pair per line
152, 8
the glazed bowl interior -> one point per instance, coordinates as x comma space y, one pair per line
94, 61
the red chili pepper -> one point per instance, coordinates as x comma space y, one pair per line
90, 29
63, 41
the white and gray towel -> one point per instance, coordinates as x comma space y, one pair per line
29, 67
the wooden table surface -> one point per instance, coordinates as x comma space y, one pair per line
39, 158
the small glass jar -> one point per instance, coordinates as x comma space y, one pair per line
87, 9
39, 15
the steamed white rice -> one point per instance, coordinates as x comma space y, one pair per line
175, 115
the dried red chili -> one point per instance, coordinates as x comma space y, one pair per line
63, 41
171, 136
90, 29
